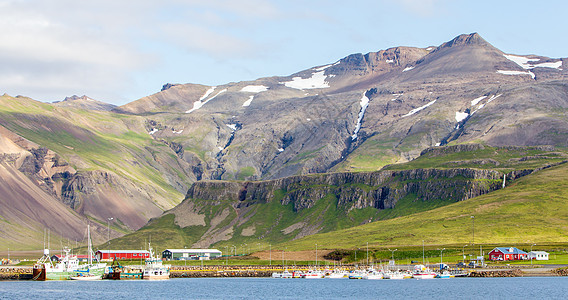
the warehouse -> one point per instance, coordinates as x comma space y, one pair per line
190, 254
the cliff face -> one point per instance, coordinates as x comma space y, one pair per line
380, 189
293, 207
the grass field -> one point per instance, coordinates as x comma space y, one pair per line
532, 210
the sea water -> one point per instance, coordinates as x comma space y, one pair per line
275, 288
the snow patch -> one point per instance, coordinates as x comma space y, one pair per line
516, 73
523, 62
390, 61
177, 132
553, 65
308, 119
220, 148
199, 103
232, 126
364, 104
429, 48
460, 116
407, 69
418, 109
493, 98
280, 149
438, 144
207, 93
477, 100
254, 88
249, 101
317, 81
154, 130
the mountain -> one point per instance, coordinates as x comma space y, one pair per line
360, 113
84, 102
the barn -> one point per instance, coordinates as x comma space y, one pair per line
122, 254
190, 254
510, 253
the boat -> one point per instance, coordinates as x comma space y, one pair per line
373, 275
356, 274
45, 269
394, 275
91, 270
285, 274
154, 269
311, 274
444, 274
297, 274
421, 272
337, 274
81, 276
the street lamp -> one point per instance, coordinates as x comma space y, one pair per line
463, 252
392, 253
441, 255
108, 232
316, 255
532, 253
472, 230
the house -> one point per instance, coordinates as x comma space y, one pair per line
510, 253
538, 255
121, 254
190, 254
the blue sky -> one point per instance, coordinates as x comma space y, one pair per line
119, 51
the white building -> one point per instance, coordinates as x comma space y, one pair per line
190, 254
538, 255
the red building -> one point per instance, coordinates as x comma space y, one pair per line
122, 254
511, 253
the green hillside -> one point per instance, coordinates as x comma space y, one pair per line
534, 209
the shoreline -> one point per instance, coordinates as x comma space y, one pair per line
25, 272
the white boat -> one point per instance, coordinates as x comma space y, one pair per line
45, 269
154, 269
285, 274
86, 277
421, 272
373, 275
311, 274
337, 274
394, 275
356, 274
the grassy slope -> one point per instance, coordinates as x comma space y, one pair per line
532, 210
91, 140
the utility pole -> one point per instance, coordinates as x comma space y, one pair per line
531, 253
316, 255
473, 231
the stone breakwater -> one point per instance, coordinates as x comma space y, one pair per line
507, 273
15, 273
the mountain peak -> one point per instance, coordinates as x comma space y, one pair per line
465, 40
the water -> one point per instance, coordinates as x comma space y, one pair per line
274, 288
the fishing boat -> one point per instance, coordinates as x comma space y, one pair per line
154, 269
337, 274
45, 269
311, 274
91, 270
285, 274
421, 272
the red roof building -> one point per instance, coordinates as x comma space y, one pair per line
511, 253
122, 254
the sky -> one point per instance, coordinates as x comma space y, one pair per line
118, 51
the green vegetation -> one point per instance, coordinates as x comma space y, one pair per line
533, 209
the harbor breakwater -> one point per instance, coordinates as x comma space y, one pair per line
25, 272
